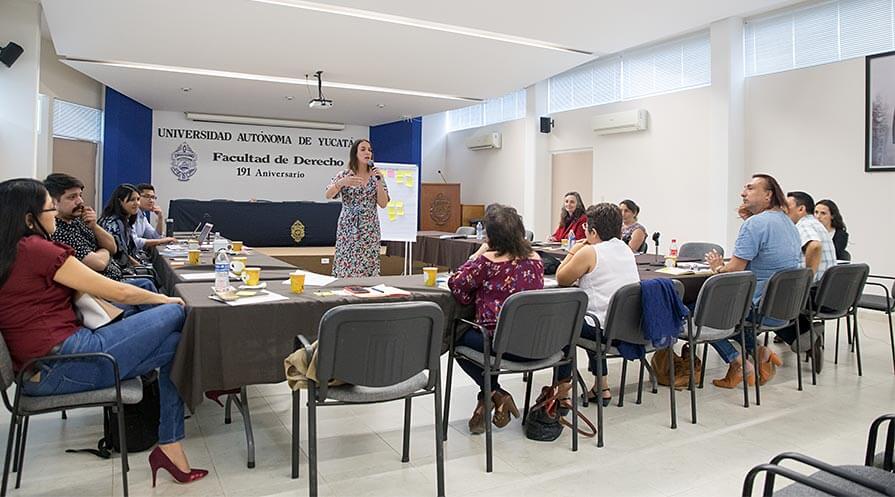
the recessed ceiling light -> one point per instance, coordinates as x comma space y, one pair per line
186, 89
420, 23
381, 106
263, 77
289, 97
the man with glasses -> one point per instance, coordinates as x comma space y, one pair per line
146, 233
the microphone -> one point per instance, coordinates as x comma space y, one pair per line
370, 166
442, 176
656, 236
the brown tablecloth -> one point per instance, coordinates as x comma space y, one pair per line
169, 276
225, 346
431, 249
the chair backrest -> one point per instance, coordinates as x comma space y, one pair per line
624, 314
378, 345
846, 256
785, 294
529, 235
694, 250
643, 248
465, 230
7, 375
724, 300
841, 286
538, 324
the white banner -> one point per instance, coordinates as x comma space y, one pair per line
205, 161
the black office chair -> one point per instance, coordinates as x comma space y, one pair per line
837, 297
697, 250
534, 324
872, 478
383, 352
24, 406
623, 318
883, 303
721, 308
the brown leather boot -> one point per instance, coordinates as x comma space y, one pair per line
477, 421
503, 407
768, 362
734, 376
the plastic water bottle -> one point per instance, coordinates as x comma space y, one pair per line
671, 258
221, 271
571, 239
479, 231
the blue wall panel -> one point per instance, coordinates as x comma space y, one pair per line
127, 142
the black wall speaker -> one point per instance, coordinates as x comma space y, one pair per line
546, 124
10, 53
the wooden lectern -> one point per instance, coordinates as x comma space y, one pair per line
439, 207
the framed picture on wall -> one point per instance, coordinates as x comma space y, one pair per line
879, 153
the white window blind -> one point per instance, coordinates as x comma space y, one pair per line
77, 121
675, 65
506, 108
822, 33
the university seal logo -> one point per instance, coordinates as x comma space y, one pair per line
440, 210
183, 162
297, 231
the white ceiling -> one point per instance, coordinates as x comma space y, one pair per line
275, 40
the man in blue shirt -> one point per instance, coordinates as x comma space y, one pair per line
146, 233
767, 242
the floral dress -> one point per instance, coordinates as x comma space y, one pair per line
357, 233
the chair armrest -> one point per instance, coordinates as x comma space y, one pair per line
20, 377
473, 324
880, 276
833, 470
301, 342
773, 470
889, 445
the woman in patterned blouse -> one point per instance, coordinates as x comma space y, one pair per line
633, 233
118, 219
501, 267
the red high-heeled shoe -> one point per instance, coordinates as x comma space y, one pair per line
158, 459
215, 395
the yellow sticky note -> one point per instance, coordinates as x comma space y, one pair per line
408, 180
400, 210
391, 214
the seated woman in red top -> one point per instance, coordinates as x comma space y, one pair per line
571, 219
501, 267
38, 281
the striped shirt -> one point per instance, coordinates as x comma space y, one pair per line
810, 229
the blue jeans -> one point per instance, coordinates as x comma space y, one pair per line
588, 332
725, 347
144, 283
145, 340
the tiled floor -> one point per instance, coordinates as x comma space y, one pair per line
359, 448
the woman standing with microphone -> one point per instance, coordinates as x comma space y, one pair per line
362, 188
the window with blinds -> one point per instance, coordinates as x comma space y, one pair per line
77, 122
819, 34
506, 108
670, 66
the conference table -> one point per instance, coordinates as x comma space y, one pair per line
171, 271
224, 346
431, 248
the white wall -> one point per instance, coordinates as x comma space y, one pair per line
806, 127
487, 176
662, 169
19, 22
60, 81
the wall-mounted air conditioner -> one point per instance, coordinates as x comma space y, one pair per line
483, 142
620, 122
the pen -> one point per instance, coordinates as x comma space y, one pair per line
377, 289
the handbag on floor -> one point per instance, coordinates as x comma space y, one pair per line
544, 423
659, 363
141, 422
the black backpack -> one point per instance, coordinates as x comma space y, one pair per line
140, 423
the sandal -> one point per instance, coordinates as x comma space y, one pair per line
593, 396
503, 407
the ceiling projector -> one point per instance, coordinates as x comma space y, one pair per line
320, 103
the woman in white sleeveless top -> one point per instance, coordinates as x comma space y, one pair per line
600, 264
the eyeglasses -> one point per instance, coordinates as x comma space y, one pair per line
150, 197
